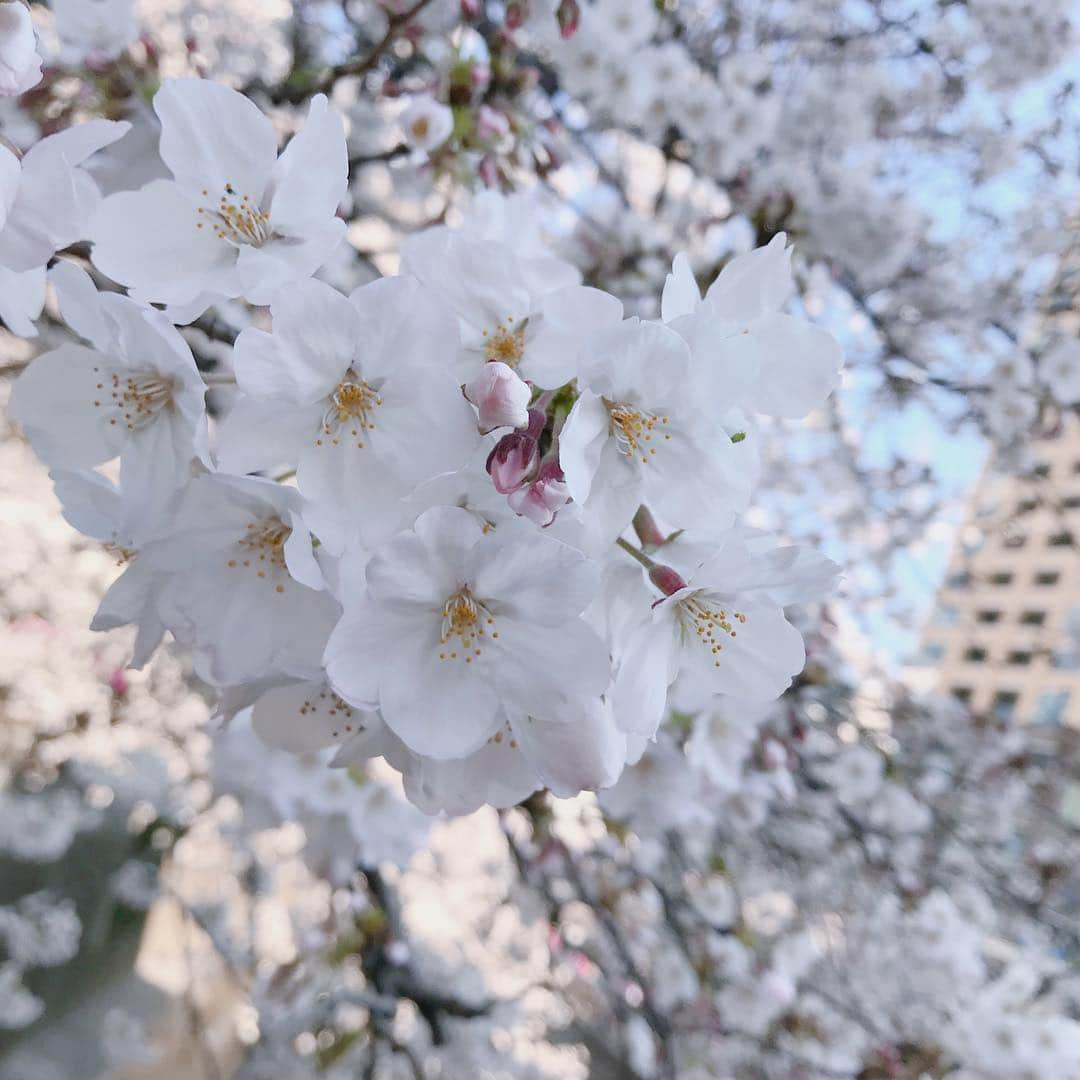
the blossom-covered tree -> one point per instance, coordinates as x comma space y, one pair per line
506, 410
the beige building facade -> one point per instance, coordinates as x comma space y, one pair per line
1003, 634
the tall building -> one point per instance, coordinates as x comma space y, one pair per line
1005, 632
1002, 636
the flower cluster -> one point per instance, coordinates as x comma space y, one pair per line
469, 518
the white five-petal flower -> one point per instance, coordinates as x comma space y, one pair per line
236, 220
461, 627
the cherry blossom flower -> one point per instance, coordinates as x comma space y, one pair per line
94, 30
724, 628
427, 123
46, 198
348, 390
460, 624
20, 64
240, 582
236, 220
637, 434
746, 352
136, 393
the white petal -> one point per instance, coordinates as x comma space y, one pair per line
799, 364
754, 284
311, 176
582, 442
211, 136
53, 401
582, 752
305, 716
22, 296
532, 577
149, 241
681, 295
80, 305
316, 334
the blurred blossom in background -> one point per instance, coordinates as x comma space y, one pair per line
863, 869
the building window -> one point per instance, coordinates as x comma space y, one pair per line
961, 693
1025, 506
1004, 704
946, 615
1019, 658
1071, 502
975, 655
1050, 707
958, 580
988, 616
1014, 541
1043, 470
1061, 539
1047, 577
1002, 577
1033, 618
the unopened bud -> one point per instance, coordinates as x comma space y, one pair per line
666, 580
517, 11
490, 124
568, 15
500, 396
470, 9
513, 462
541, 500
648, 532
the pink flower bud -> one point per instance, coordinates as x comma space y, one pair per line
470, 9
118, 682
488, 172
490, 124
666, 580
480, 76
517, 11
543, 498
513, 462
568, 15
500, 396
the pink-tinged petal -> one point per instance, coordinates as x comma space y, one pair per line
53, 402
213, 136
681, 295
311, 176
500, 396
149, 241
